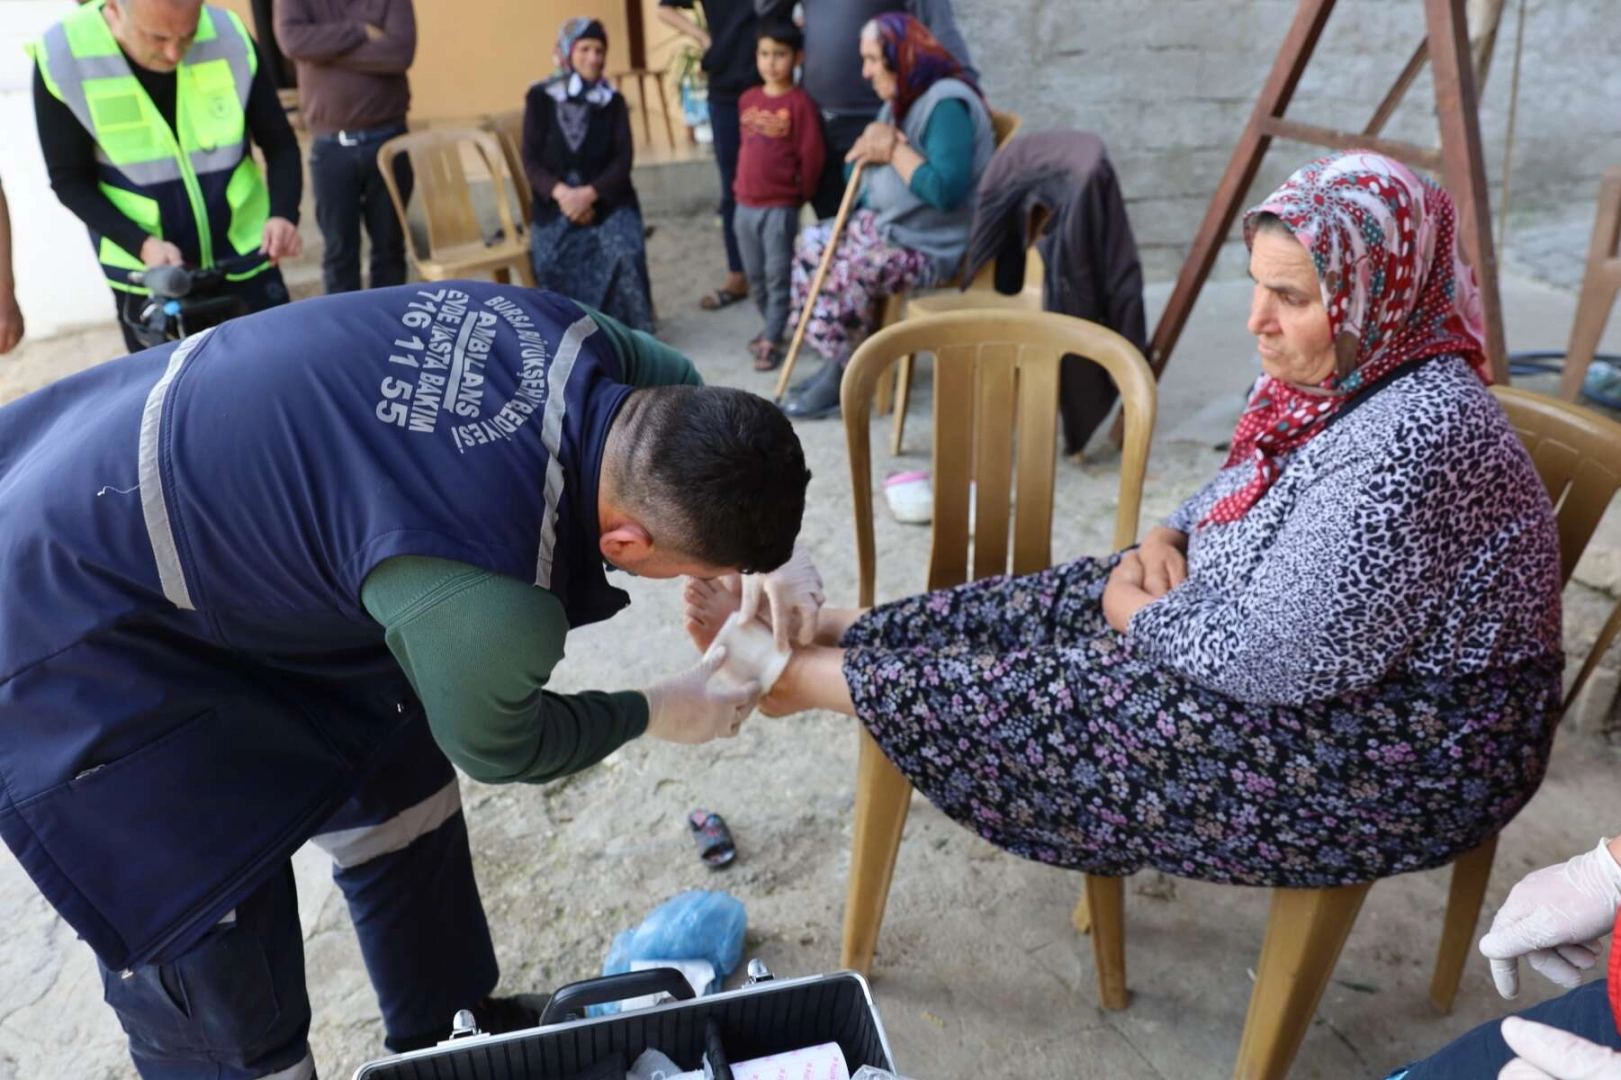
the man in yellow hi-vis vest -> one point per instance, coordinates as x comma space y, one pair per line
147, 110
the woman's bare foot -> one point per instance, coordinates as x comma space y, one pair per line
708, 605
813, 679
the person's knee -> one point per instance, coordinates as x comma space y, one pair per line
779, 259
236, 998
248, 1015
1584, 1011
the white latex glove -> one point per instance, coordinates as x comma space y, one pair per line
1546, 1053
685, 708
793, 596
1554, 918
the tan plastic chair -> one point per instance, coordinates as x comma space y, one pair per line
980, 293
457, 246
1578, 457
508, 127
996, 390
1004, 125
644, 104
1600, 285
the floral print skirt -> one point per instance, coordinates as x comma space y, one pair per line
866, 268
1014, 708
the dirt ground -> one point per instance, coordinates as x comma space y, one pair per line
979, 972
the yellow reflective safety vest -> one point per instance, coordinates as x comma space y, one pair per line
195, 184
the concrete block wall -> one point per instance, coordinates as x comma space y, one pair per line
1169, 85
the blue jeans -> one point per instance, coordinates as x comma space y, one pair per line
349, 191
723, 122
233, 1006
1482, 1053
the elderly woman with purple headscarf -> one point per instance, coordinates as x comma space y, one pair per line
1338, 661
587, 238
922, 159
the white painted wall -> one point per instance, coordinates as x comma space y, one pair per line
59, 284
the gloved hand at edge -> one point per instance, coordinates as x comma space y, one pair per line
687, 708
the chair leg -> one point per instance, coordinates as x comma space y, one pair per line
883, 796
903, 397
1599, 292
1081, 917
641, 101
1304, 934
664, 110
884, 399
1600, 285
1105, 903
1469, 876
891, 309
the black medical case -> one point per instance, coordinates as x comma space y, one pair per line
765, 1016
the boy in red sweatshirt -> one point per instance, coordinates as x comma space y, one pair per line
778, 168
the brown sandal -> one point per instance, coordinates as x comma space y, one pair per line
721, 298
768, 359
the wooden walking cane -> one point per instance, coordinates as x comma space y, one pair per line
816, 283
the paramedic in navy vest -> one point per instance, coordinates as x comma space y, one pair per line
268, 584
147, 111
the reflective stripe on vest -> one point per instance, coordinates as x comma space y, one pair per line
149, 470
362, 844
139, 153
551, 436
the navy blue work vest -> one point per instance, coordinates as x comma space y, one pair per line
189, 683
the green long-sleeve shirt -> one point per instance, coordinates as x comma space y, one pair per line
485, 692
947, 172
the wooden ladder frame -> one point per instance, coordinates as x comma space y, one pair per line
1458, 160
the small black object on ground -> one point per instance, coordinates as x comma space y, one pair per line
715, 846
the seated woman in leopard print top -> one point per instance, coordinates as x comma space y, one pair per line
1339, 661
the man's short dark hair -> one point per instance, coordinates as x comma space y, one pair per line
783, 32
718, 474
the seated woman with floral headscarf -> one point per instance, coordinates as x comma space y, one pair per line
922, 159
586, 241
1338, 661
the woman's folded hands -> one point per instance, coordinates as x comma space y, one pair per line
1163, 553
578, 204
876, 145
1144, 574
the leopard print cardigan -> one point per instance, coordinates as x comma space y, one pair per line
1411, 538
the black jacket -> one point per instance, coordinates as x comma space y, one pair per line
1092, 268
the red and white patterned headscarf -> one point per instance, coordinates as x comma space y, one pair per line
1395, 286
